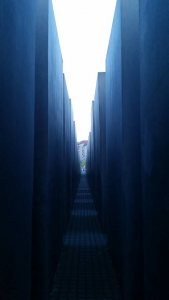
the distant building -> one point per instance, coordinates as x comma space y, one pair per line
82, 149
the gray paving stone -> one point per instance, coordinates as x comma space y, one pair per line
85, 271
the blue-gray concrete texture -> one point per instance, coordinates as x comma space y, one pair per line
96, 136
48, 158
67, 152
102, 107
154, 62
99, 120
71, 149
71, 161
92, 166
89, 159
77, 171
91, 154
114, 140
56, 142
76, 163
123, 187
74, 168
17, 65
74, 160
93, 149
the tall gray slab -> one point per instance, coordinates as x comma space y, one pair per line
55, 133
123, 186
154, 54
17, 74
133, 259
67, 152
48, 151
99, 137
113, 166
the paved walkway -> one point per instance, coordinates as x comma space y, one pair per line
84, 271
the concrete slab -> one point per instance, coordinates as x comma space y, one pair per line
17, 68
